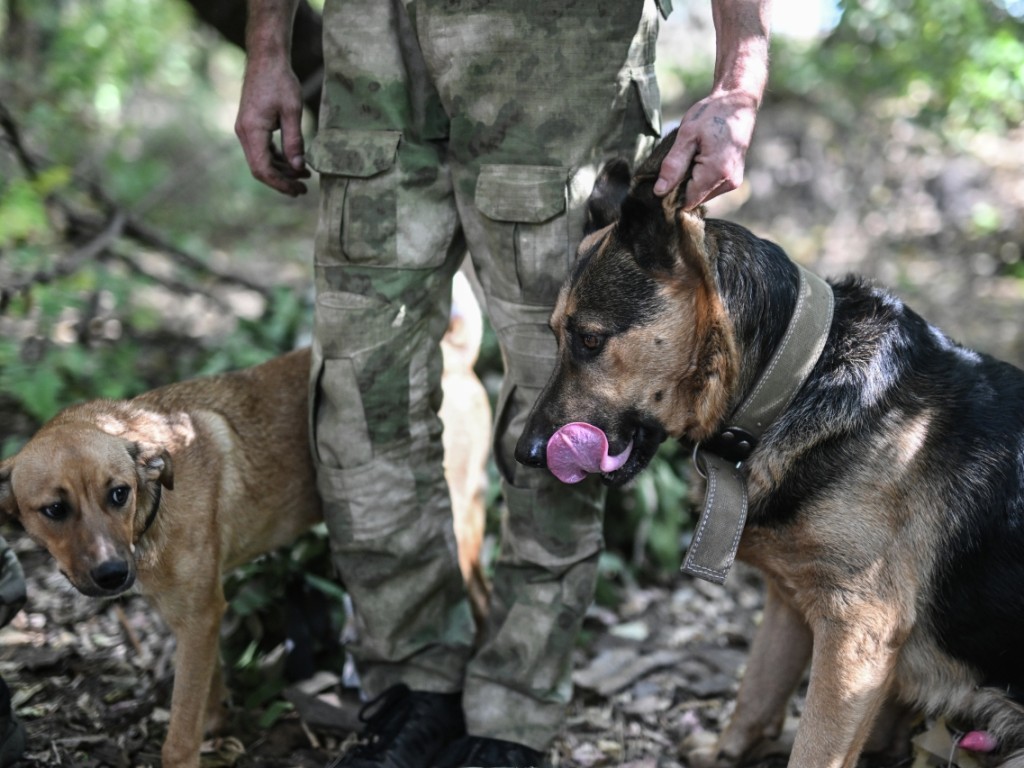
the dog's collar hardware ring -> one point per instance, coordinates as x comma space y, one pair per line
719, 460
732, 443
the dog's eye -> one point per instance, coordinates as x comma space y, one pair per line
591, 341
119, 496
57, 511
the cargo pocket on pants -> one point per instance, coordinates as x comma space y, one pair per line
524, 213
358, 221
349, 328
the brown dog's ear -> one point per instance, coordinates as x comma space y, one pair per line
154, 463
8, 504
604, 206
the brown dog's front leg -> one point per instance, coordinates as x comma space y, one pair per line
778, 658
851, 670
196, 625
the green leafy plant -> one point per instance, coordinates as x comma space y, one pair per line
284, 620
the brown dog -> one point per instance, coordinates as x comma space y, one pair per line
181, 484
886, 501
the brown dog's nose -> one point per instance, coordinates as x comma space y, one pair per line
110, 576
531, 450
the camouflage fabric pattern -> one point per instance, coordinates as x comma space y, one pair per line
447, 125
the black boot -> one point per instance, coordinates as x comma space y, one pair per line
481, 752
405, 729
12, 732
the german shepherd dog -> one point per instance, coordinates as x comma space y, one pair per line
886, 502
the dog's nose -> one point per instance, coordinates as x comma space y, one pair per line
531, 450
111, 575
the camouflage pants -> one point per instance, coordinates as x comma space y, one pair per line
450, 125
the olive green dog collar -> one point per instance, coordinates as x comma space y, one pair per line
720, 459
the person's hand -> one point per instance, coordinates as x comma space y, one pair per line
710, 147
271, 101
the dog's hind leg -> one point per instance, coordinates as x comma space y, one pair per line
890, 736
852, 663
778, 659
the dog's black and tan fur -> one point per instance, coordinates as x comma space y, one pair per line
886, 503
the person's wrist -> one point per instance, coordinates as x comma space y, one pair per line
738, 97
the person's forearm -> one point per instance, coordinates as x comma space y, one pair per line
742, 32
268, 32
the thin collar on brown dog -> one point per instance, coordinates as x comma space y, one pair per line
719, 459
151, 517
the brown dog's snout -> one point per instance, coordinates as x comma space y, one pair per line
112, 576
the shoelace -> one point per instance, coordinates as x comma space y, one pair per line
383, 717
405, 723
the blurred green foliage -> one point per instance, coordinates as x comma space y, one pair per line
954, 64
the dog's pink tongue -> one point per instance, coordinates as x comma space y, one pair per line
978, 741
578, 449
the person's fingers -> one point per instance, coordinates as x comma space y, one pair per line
676, 164
291, 138
265, 161
271, 101
293, 169
710, 178
255, 144
702, 186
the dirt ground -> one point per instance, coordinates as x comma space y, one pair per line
91, 680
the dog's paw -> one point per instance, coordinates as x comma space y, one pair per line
701, 751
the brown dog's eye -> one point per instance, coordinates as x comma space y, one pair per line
119, 495
57, 511
591, 341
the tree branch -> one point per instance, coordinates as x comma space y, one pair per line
69, 263
101, 231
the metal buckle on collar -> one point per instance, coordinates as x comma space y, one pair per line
733, 444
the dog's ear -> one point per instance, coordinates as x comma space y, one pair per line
604, 206
660, 233
8, 504
153, 463
648, 170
